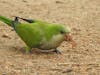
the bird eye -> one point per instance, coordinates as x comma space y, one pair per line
62, 32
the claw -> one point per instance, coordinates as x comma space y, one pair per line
57, 51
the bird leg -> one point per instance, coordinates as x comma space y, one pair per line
28, 50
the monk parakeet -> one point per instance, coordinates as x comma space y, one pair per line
39, 34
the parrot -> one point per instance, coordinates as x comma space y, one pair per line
40, 34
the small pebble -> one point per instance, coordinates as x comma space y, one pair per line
67, 71
4, 74
76, 29
24, 0
59, 2
6, 36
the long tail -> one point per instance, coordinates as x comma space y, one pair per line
6, 20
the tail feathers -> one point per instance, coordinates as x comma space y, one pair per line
6, 20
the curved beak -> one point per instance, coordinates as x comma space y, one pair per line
69, 38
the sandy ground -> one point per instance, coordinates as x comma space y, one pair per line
82, 16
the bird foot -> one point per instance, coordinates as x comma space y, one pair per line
57, 51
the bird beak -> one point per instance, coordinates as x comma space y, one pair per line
69, 38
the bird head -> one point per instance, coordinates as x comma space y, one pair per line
66, 31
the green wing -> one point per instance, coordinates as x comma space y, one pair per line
30, 33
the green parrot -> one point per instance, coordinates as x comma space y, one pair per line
39, 34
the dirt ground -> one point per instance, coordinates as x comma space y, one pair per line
82, 16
